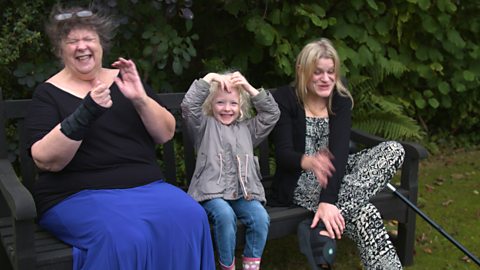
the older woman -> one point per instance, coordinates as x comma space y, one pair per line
92, 133
315, 171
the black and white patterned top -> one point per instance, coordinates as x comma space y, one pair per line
307, 192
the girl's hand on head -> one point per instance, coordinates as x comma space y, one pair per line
238, 80
222, 80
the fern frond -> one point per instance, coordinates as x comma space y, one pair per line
389, 125
392, 67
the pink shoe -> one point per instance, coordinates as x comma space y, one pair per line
251, 263
231, 267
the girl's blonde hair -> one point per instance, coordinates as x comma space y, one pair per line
307, 63
244, 102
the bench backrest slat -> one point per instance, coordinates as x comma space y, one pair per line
176, 156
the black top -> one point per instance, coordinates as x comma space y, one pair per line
117, 151
289, 140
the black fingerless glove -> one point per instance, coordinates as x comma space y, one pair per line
76, 125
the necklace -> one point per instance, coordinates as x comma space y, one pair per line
316, 112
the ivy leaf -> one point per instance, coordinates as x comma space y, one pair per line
428, 93
423, 70
468, 76
459, 87
422, 53
420, 103
186, 56
264, 32
147, 51
234, 7
436, 67
372, 4
177, 66
192, 51
147, 34
317, 9
365, 54
315, 13
433, 102
382, 27
188, 25
446, 5
374, 45
435, 55
444, 19
156, 39
454, 37
162, 47
429, 24
444, 88
357, 4
424, 4
341, 30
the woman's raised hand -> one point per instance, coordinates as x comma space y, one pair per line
101, 94
321, 166
129, 83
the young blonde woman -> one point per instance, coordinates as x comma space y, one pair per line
314, 169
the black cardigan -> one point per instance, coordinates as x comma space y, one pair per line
289, 140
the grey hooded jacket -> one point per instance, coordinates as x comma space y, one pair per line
226, 166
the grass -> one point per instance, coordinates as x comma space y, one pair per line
449, 190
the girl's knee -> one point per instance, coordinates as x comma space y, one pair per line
224, 216
264, 218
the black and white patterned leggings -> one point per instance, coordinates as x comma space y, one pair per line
367, 173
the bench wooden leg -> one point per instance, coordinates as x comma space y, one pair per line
406, 239
4, 261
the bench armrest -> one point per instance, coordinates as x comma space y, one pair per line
18, 198
413, 154
22, 209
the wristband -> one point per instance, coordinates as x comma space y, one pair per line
76, 125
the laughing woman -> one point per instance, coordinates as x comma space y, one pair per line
92, 133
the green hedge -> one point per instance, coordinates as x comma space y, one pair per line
412, 65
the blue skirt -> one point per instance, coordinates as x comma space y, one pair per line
156, 226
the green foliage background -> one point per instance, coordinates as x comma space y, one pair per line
412, 65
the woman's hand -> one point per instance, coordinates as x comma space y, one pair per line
320, 164
101, 94
330, 215
129, 83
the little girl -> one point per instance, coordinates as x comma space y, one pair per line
227, 179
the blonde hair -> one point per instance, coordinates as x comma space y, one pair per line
306, 64
244, 101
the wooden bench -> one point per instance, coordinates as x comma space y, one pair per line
26, 246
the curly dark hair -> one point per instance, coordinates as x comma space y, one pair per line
58, 30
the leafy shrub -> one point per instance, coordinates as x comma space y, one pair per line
419, 58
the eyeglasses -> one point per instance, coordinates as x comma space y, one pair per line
66, 16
